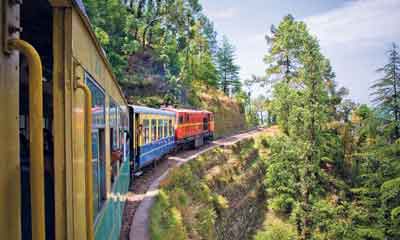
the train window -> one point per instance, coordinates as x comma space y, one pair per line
171, 129
113, 118
187, 117
166, 128
98, 144
121, 125
180, 119
146, 131
98, 104
160, 128
153, 130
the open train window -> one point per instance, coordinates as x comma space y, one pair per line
187, 117
166, 134
171, 129
146, 131
180, 119
113, 119
160, 128
153, 130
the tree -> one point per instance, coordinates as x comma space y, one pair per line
283, 63
111, 22
386, 90
157, 45
228, 70
302, 106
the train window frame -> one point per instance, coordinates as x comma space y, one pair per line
166, 130
154, 130
171, 132
180, 121
98, 125
160, 129
89, 80
146, 131
114, 126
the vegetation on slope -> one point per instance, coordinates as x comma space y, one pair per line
216, 196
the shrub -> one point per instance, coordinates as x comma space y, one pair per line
265, 143
277, 231
282, 204
166, 221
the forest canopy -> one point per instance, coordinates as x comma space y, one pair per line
163, 50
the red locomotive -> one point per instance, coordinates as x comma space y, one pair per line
193, 127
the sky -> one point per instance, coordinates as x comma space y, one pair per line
353, 34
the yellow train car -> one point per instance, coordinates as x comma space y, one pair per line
64, 139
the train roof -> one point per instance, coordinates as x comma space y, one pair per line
81, 6
148, 110
180, 110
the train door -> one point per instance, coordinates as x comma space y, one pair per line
36, 22
138, 130
205, 122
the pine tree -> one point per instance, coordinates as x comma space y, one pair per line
283, 63
387, 90
227, 68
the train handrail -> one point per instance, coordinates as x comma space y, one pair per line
35, 136
88, 162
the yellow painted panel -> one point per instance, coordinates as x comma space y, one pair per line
59, 124
150, 117
91, 57
78, 162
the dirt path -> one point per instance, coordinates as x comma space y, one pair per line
144, 189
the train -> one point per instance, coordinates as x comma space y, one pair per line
69, 141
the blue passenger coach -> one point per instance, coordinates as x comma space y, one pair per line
154, 134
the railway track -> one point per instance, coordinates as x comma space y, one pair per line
142, 192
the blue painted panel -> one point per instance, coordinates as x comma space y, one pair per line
155, 150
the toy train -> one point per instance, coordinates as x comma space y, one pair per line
158, 132
68, 138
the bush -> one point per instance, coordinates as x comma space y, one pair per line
265, 143
282, 204
166, 221
277, 231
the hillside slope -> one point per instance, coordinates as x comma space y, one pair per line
229, 114
218, 195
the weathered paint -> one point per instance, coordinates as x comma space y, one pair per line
10, 225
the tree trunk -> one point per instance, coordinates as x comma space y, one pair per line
396, 104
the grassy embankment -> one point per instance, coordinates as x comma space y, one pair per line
218, 195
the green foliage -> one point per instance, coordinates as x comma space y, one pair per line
282, 204
228, 70
166, 221
387, 91
329, 144
277, 231
164, 48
